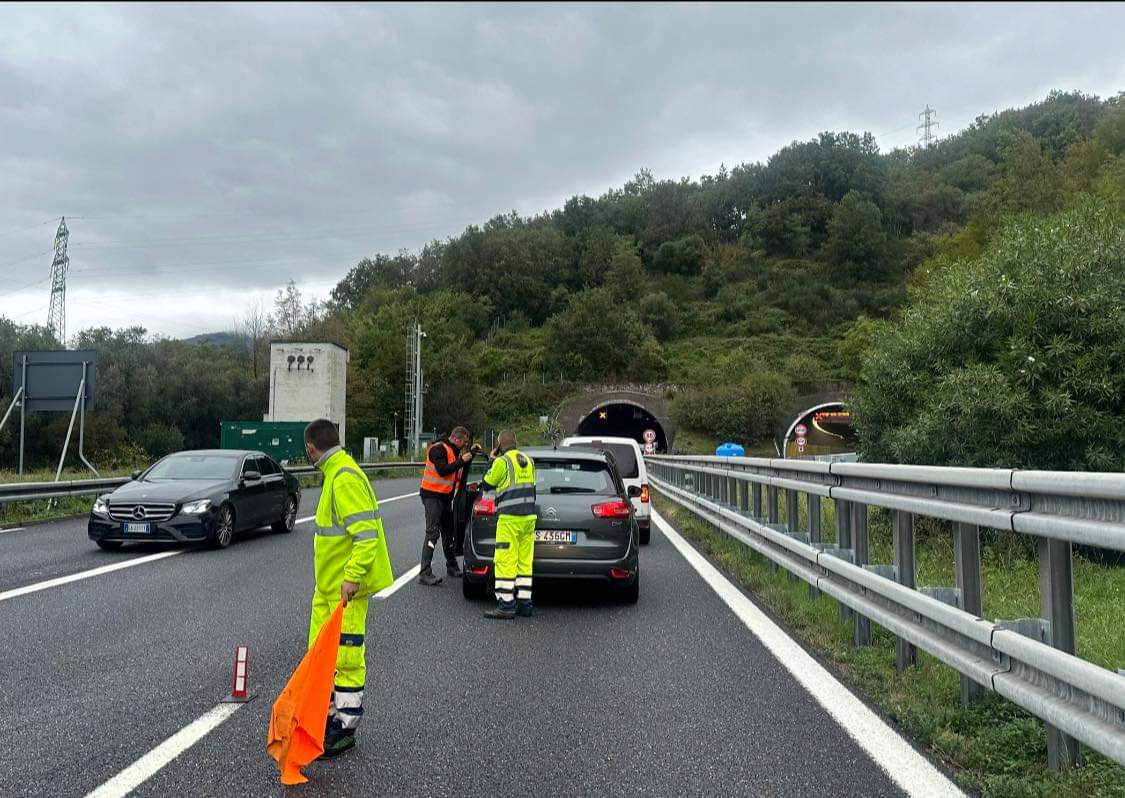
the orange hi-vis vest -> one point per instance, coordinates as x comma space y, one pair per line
435, 482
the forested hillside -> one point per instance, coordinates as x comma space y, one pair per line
733, 287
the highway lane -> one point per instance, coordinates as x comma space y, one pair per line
672, 696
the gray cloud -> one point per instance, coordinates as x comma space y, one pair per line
222, 150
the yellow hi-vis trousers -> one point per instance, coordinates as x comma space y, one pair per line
346, 709
515, 551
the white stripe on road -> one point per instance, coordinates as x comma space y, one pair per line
12, 529
911, 771
105, 569
381, 502
393, 588
150, 764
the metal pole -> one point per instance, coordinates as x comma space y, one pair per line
905, 653
82, 425
772, 516
11, 407
843, 541
1056, 600
23, 410
814, 533
859, 540
70, 429
757, 499
966, 552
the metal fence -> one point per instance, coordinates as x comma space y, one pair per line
30, 491
1029, 661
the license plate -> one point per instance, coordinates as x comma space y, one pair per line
555, 536
138, 529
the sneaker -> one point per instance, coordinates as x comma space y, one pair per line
336, 744
454, 571
500, 615
525, 610
429, 579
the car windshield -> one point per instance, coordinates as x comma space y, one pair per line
623, 455
573, 476
194, 466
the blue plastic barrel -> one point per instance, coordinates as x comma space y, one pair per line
730, 450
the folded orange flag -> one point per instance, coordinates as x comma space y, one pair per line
296, 735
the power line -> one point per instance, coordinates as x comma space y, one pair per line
927, 127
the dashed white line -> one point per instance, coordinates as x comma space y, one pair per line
911, 771
393, 588
12, 529
105, 569
381, 502
151, 763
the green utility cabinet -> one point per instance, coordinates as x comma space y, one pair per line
284, 440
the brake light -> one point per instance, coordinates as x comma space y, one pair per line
479, 570
619, 573
644, 493
615, 509
484, 507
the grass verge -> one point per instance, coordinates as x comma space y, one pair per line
993, 747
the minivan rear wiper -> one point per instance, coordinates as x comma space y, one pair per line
569, 489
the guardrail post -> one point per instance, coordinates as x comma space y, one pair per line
1056, 602
859, 540
905, 653
814, 533
843, 541
743, 497
966, 550
772, 516
792, 519
756, 489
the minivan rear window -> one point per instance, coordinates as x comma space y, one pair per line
623, 455
573, 476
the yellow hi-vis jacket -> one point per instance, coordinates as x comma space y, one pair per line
349, 544
512, 475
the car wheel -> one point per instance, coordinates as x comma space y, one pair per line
224, 527
473, 591
289, 520
632, 593
646, 533
109, 545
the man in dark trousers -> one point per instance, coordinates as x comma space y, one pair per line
445, 462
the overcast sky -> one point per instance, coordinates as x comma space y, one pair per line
204, 155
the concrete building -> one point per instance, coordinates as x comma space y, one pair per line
308, 381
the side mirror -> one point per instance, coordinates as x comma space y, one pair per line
634, 492
135, 476
251, 476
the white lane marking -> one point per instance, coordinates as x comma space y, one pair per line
911, 771
12, 529
105, 569
381, 502
391, 589
150, 764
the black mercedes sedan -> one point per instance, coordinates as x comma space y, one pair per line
198, 497
586, 530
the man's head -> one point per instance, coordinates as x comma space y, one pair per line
459, 437
506, 440
320, 436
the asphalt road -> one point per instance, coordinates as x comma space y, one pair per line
672, 696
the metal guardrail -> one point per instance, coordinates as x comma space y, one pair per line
30, 491
1029, 661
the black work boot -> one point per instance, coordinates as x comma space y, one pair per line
336, 744
429, 578
454, 570
498, 614
525, 609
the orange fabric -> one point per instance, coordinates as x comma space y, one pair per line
296, 735
435, 482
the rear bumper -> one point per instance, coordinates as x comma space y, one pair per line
178, 529
554, 569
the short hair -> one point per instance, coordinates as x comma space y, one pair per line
506, 440
460, 432
322, 434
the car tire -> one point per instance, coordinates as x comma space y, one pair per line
631, 594
473, 591
224, 528
109, 545
289, 520
646, 533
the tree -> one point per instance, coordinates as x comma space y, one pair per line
857, 244
291, 317
1111, 128
599, 338
682, 256
745, 412
626, 273
254, 327
661, 315
1015, 359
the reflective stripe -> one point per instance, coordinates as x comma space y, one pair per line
366, 515
505, 597
434, 482
521, 509
350, 640
500, 544
330, 531
506, 584
523, 594
370, 534
523, 581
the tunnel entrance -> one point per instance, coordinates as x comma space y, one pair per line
826, 429
624, 420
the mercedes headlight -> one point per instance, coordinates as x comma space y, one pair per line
195, 508
101, 507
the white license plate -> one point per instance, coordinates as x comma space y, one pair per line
138, 529
555, 536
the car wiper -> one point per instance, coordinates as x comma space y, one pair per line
569, 489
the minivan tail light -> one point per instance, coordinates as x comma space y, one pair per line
619, 573
479, 570
644, 493
484, 507
614, 509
